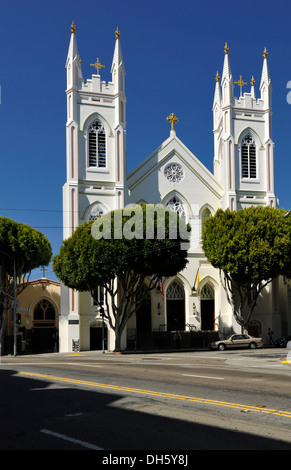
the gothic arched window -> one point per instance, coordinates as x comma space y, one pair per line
44, 314
175, 291
248, 157
95, 212
205, 215
175, 204
97, 145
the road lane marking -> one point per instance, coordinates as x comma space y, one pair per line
207, 401
71, 439
203, 376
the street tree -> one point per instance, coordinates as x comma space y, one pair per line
250, 247
22, 249
125, 252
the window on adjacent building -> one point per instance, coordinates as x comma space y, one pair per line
248, 157
98, 296
97, 145
44, 314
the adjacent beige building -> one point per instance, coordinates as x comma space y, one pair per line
37, 318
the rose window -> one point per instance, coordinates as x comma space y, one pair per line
174, 172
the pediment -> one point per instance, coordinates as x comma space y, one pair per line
169, 152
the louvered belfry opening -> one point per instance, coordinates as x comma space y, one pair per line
248, 157
97, 145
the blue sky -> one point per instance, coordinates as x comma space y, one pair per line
171, 49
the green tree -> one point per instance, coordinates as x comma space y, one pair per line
22, 249
126, 252
250, 247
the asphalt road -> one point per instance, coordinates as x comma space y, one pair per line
160, 403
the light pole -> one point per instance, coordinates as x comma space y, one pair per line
14, 300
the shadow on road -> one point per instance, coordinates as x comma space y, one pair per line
29, 405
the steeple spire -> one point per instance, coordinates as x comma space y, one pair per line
265, 72
73, 48
217, 93
253, 81
117, 61
226, 66
73, 61
226, 79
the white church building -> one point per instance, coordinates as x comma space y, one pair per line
97, 182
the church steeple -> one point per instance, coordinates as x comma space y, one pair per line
265, 72
216, 107
265, 85
73, 63
117, 67
217, 92
118, 80
253, 93
226, 79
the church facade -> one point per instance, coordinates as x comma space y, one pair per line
97, 182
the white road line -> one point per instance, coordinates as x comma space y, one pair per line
85, 365
71, 439
203, 376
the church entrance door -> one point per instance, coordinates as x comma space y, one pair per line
175, 307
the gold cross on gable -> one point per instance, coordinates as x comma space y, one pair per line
97, 65
173, 120
241, 83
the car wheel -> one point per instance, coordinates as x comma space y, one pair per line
253, 345
221, 347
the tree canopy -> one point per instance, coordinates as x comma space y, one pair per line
251, 247
120, 251
25, 249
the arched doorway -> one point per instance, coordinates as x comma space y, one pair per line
175, 307
96, 336
207, 308
44, 331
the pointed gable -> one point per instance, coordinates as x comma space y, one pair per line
173, 168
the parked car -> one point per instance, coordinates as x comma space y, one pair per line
237, 341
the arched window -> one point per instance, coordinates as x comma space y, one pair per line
205, 214
95, 212
248, 157
44, 314
97, 145
175, 204
175, 291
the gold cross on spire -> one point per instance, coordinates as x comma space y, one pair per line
217, 77
253, 81
97, 65
73, 27
226, 48
117, 33
173, 120
240, 84
265, 53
